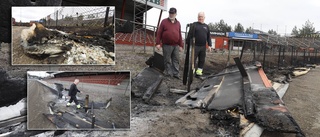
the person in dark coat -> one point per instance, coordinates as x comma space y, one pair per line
73, 92
201, 33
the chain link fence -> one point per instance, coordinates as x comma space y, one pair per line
80, 16
142, 40
281, 53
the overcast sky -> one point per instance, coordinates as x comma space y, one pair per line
265, 14
281, 15
26, 14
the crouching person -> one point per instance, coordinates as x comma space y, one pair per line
73, 92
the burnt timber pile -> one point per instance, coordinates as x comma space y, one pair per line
72, 46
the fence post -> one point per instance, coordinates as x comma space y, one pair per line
296, 58
309, 60
315, 57
291, 55
154, 39
264, 55
243, 45
254, 48
304, 56
283, 51
280, 47
106, 17
57, 19
145, 28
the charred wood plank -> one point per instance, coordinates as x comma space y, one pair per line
13, 121
151, 90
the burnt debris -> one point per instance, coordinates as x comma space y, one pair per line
72, 48
12, 89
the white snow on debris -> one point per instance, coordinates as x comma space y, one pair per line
12, 110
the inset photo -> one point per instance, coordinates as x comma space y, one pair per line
78, 100
63, 35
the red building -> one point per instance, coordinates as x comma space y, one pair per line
219, 40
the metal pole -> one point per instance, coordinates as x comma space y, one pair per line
283, 50
315, 57
93, 121
243, 45
254, 51
186, 35
264, 55
106, 17
229, 54
56, 18
145, 27
159, 18
86, 103
134, 25
292, 55
154, 38
309, 56
296, 58
123, 9
304, 56
279, 56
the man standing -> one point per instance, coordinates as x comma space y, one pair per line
73, 92
201, 33
169, 34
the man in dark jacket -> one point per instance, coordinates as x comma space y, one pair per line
201, 33
73, 92
169, 34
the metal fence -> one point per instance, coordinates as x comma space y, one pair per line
272, 51
80, 16
293, 52
141, 40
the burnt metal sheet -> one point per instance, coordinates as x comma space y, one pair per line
271, 113
229, 93
263, 106
144, 80
202, 96
156, 61
57, 120
247, 105
62, 120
